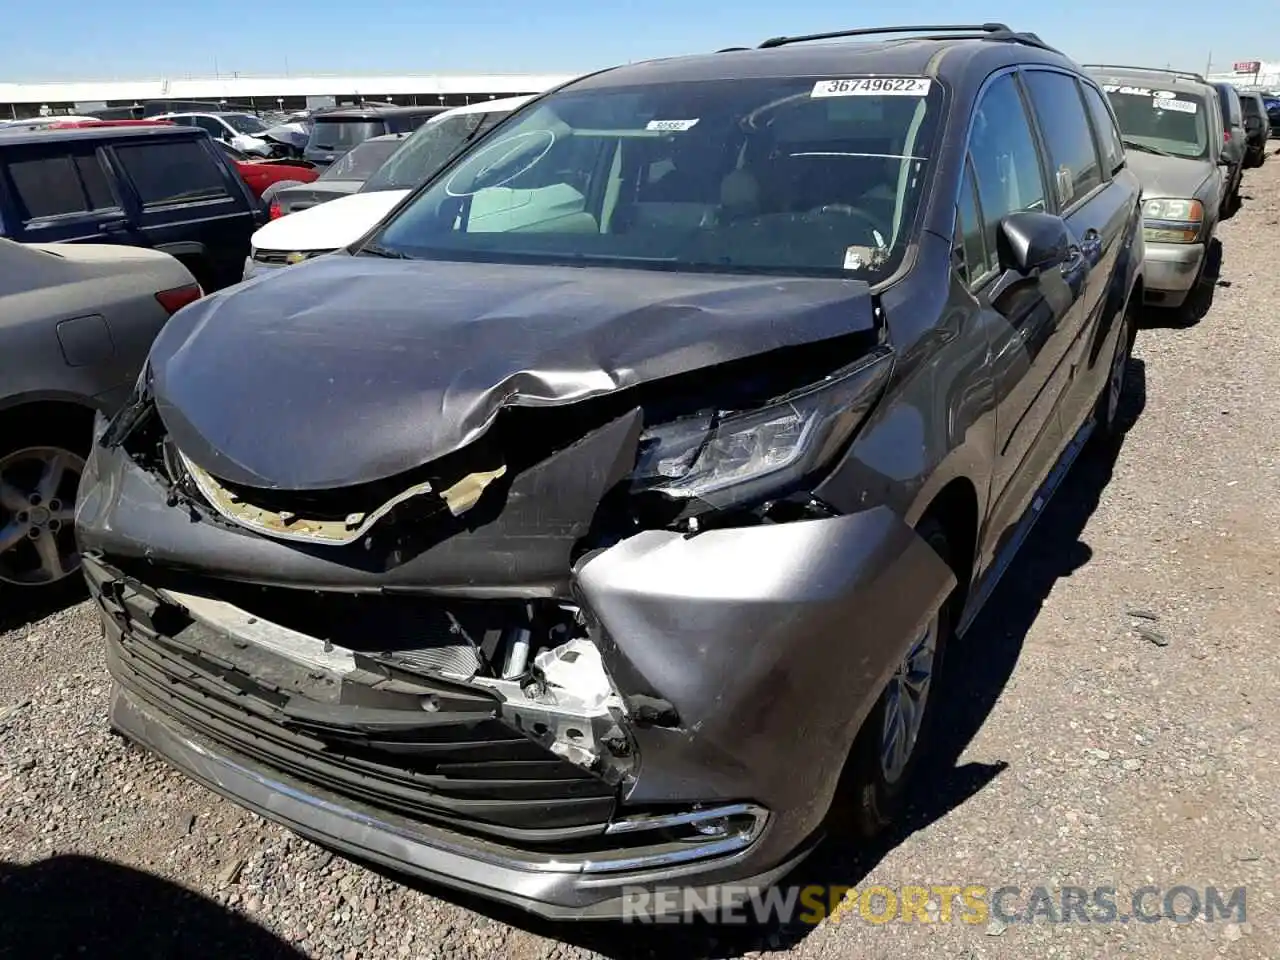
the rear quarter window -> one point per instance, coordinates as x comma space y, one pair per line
173, 172
60, 185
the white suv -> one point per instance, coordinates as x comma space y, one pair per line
240, 130
329, 226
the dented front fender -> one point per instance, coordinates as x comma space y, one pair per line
772, 643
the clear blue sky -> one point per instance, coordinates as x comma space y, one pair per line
137, 39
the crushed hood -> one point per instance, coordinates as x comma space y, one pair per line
345, 370
1174, 178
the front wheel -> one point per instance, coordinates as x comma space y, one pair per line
899, 730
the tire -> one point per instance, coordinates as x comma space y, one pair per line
1109, 428
876, 782
40, 468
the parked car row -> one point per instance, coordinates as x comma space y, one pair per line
1189, 142
508, 535
351, 196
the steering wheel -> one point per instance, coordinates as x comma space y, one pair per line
846, 210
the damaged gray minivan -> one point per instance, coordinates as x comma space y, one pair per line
586, 526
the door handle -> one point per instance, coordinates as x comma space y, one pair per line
1091, 246
113, 226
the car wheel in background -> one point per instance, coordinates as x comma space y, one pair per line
39, 477
896, 735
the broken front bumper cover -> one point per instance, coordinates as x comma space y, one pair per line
588, 889
769, 644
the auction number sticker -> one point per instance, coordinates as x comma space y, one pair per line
873, 87
670, 125
1180, 106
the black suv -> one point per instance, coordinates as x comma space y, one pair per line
584, 527
168, 188
334, 132
1257, 127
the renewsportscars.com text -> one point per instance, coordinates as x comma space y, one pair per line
938, 903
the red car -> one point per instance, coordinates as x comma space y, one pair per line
257, 174
261, 174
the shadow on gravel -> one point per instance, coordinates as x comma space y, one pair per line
73, 906
17, 613
1198, 303
993, 644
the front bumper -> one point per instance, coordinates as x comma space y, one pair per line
1170, 270
770, 644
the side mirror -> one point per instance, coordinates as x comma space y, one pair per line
1029, 242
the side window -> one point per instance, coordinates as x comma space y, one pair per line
212, 127
60, 185
1104, 126
978, 263
1072, 154
172, 172
94, 179
1005, 162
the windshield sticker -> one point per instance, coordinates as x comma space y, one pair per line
1130, 91
873, 87
667, 126
1181, 106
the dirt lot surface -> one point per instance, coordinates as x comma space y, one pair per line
1081, 753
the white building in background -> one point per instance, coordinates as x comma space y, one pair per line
20, 100
1252, 75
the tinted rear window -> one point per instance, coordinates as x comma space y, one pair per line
343, 134
361, 161
180, 172
60, 185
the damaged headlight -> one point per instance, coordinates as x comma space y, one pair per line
734, 457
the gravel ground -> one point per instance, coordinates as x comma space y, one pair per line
1083, 753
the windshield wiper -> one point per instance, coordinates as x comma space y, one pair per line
1146, 148
377, 250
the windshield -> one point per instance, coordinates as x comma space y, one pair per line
786, 176
244, 122
362, 160
428, 149
1160, 120
342, 134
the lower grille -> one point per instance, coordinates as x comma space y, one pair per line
413, 747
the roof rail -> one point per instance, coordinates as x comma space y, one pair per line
1124, 66
981, 31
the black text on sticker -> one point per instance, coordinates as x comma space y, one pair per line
873, 87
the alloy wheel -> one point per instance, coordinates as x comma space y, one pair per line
905, 700
37, 513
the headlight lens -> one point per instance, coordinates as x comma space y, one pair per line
731, 458
1172, 221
